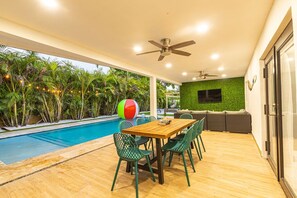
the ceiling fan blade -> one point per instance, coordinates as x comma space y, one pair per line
148, 52
160, 58
211, 75
179, 52
156, 44
183, 44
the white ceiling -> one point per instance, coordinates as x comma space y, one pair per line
112, 28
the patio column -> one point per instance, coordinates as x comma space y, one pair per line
153, 96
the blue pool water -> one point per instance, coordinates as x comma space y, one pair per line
18, 148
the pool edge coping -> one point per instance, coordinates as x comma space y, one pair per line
20, 132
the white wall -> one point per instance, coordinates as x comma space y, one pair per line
276, 21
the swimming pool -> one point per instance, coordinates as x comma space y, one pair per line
22, 147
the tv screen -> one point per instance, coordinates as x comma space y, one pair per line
211, 95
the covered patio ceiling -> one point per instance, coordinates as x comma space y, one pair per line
105, 32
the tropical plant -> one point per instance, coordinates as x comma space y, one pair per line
55, 90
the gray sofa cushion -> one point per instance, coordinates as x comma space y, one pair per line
239, 121
216, 121
184, 111
198, 115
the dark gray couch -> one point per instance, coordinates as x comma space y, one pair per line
238, 121
216, 121
233, 121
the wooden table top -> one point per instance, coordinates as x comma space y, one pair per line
154, 130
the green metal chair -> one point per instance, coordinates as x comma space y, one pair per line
139, 139
128, 150
186, 116
180, 147
200, 130
140, 121
196, 128
152, 118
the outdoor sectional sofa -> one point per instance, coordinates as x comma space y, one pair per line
232, 121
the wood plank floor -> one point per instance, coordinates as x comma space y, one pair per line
231, 167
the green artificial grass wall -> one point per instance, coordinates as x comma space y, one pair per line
232, 91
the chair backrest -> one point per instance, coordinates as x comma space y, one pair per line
125, 124
186, 116
126, 146
200, 126
195, 129
185, 143
140, 121
152, 118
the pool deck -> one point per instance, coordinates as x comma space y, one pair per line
9, 173
231, 167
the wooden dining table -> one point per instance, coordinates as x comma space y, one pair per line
155, 130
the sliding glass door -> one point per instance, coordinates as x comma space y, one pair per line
281, 111
286, 55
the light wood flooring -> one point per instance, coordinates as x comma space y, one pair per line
231, 167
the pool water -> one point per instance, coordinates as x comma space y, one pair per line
22, 147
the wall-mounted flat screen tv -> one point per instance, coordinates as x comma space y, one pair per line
211, 95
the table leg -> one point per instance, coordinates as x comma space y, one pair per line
128, 167
159, 161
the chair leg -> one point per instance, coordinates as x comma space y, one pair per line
170, 158
191, 158
164, 158
199, 147
145, 147
136, 177
163, 142
202, 143
131, 169
152, 140
116, 174
150, 167
185, 165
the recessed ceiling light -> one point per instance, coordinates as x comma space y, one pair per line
184, 73
53, 4
202, 28
194, 78
224, 75
215, 56
137, 48
168, 65
221, 68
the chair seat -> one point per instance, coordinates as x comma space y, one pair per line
131, 154
141, 140
145, 152
178, 137
171, 146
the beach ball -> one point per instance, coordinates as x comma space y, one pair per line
128, 109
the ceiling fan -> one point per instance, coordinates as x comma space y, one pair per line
204, 75
166, 49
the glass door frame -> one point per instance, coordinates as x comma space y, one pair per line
271, 57
286, 36
275, 54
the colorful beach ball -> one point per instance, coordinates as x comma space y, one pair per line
128, 109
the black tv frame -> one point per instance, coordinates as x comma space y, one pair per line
209, 96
